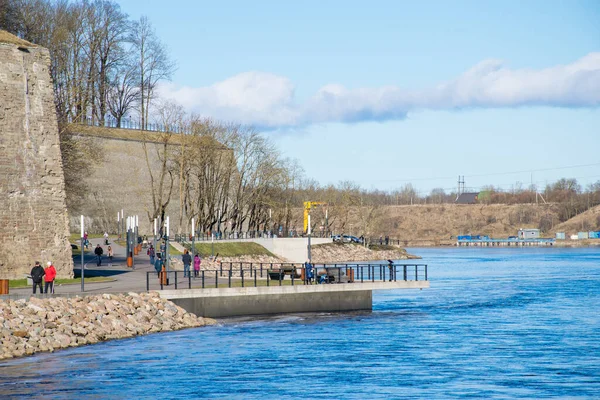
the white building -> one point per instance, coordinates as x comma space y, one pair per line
529, 233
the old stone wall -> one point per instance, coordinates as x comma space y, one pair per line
33, 214
122, 181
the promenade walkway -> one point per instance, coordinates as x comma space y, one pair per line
124, 279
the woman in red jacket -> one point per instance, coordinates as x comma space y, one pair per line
49, 277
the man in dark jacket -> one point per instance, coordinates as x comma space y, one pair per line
98, 251
37, 273
187, 260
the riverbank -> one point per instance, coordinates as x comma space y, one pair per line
34, 325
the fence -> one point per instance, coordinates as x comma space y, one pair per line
127, 123
240, 235
270, 274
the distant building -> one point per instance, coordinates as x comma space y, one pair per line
529, 233
561, 235
467, 198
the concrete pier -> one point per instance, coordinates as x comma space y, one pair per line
242, 301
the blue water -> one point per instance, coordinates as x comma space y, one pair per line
497, 323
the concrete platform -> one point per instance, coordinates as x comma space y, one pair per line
229, 302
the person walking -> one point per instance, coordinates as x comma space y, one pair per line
151, 253
49, 275
37, 273
187, 261
158, 264
98, 251
110, 254
197, 262
308, 272
106, 238
86, 242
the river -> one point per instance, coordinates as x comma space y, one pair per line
496, 323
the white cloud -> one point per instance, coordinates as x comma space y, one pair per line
267, 100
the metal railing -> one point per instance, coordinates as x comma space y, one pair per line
239, 235
271, 274
128, 123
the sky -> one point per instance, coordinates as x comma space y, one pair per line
386, 93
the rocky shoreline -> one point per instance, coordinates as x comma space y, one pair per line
47, 324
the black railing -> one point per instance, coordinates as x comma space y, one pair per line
128, 123
229, 235
268, 274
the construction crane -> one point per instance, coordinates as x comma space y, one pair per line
307, 206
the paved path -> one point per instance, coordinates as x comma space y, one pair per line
125, 279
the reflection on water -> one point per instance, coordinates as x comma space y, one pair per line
507, 323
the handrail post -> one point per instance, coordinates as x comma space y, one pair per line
175, 280
147, 280
189, 281
202, 279
416, 273
242, 273
425, 271
229, 278
404, 272
280, 276
255, 278
216, 280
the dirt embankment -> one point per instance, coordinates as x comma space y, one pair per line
439, 224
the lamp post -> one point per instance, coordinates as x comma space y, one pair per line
154, 239
122, 222
135, 239
82, 254
167, 247
118, 225
193, 237
308, 247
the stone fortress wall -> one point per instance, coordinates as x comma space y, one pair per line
33, 214
122, 181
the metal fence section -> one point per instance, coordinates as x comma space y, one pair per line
128, 123
239, 274
240, 235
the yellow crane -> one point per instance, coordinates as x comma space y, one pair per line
307, 206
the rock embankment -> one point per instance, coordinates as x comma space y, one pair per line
48, 324
345, 252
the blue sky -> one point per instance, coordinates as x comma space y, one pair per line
385, 93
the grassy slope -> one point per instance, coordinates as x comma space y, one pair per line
586, 221
232, 249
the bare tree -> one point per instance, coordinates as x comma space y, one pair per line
153, 64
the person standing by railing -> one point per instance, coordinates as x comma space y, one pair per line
308, 271
197, 262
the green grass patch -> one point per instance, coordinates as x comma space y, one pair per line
21, 283
173, 251
232, 249
76, 237
382, 247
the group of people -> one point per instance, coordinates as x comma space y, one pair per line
99, 251
157, 261
39, 274
187, 262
